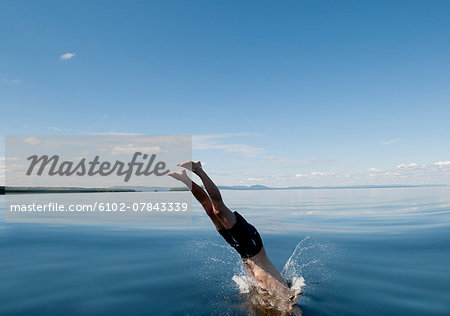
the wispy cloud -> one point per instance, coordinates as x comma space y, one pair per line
442, 164
409, 165
3, 161
217, 141
315, 174
251, 180
406, 173
32, 140
57, 129
113, 133
130, 149
390, 141
2, 171
11, 81
433, 172
67, 56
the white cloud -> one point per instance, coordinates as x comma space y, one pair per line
215, 141
410, 165
32, 140
253, 179
2, 170
3, 159
428, 173
391, 141
315, 174
442, 164
67, 56
406, 173
280, 177
131, 149
114, 133
410, 173
322, 174
57, 129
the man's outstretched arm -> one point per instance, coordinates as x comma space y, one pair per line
226, 217
199, 194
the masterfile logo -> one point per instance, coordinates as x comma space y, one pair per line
94, 160
126, 173
146, 167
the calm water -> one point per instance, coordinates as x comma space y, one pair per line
362, 252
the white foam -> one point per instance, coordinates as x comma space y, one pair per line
242, 283
291, 272
297, 284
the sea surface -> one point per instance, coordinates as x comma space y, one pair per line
359, 252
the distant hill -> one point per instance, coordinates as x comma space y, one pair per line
26, 190
243, 187
144, 188
29, 190
262, 187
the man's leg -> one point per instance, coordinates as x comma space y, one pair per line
223, 213
199, 194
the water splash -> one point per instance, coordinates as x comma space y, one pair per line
306, 267
276, 303
292, 270
242, 283
308, 261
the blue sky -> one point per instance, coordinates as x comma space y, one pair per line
276, 93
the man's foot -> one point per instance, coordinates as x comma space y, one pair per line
193, 166
179, 175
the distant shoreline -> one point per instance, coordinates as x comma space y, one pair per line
393, 186
37, 190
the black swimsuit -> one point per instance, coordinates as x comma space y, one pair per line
243, 237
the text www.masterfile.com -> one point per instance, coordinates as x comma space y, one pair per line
101, 207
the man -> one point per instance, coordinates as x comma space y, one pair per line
264, 278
